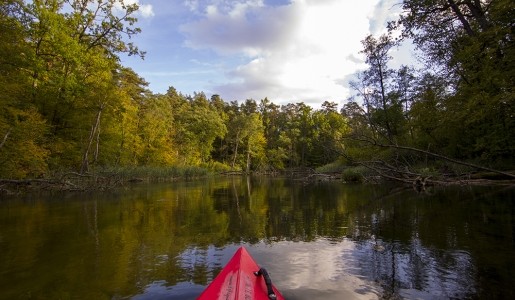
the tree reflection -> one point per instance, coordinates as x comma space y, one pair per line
454, 243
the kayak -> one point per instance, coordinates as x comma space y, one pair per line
241, 279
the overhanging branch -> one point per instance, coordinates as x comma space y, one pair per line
375, 143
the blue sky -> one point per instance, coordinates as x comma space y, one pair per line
286, 50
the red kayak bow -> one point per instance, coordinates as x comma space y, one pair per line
241, 279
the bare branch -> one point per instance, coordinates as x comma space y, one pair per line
5, 138
375, 143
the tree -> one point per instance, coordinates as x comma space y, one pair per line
58, 66
276, 149
23, 129
22, 149
330, 128
197, 127
375, 86
471, 44
246, 135
427, 113
255, 140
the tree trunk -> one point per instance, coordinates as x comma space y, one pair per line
248, 159
118, 159
235, 150
5, 138
85, 163
461, 17
98, 143
384, 101
479, 13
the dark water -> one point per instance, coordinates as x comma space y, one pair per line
318, 241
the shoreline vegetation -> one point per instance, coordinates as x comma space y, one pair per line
373, 173
73, 118
101, 180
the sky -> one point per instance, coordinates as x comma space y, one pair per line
286, 50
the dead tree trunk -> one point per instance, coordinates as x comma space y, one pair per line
248, 158
94, 129
5, 138
235, 150
97, 148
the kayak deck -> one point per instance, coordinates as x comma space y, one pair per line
241, 279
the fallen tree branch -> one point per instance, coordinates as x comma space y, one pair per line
26, 181
382, 174
375, 143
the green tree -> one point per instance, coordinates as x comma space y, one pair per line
74, 45
330, 129
255, 140
197, 127
471, 44
246, 136
23, 149
427, 114
276, 149
376, 86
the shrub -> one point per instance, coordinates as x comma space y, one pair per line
354, 174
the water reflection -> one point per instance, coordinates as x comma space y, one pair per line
318, 241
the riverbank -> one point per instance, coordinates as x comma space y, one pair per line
106, 179
103, 179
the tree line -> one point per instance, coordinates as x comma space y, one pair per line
69, 104
458, 107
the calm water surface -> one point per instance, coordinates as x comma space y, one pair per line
317, 240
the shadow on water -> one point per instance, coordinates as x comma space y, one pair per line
319, 241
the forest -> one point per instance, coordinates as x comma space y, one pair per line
67, 104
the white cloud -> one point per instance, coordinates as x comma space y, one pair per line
301, 51
246, 27
384, 11
145, 10
192, 5
176, 74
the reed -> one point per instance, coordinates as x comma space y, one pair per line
334, 167
153, 173
354, 174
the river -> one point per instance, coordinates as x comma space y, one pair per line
319, 240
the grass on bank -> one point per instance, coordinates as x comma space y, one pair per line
112, 176
348, 173
106, 178
150, 173
161, 173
